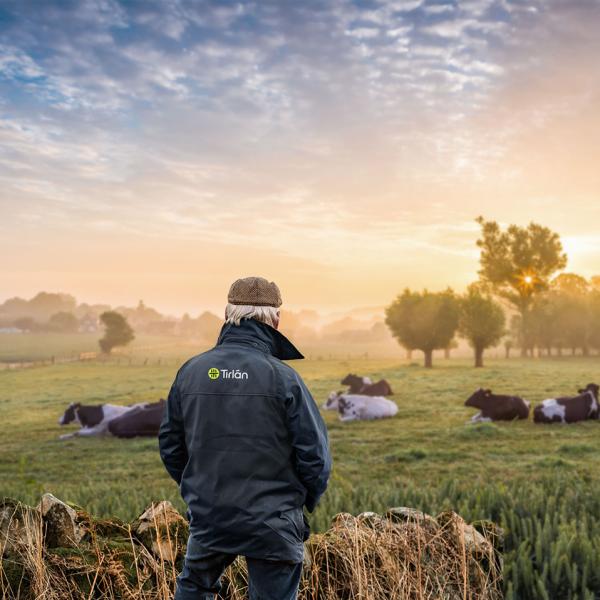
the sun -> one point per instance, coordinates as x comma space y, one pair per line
526, 281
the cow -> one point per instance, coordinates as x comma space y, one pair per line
366, 387
355, 383
357, 407
139, 421
381, 388
94, 420
493, 407
569, 409
332, 401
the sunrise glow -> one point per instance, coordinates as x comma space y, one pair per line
343, 149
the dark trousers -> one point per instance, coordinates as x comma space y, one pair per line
268, 579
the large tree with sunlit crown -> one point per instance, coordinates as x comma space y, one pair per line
518, 263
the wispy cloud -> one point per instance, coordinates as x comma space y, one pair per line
360, 130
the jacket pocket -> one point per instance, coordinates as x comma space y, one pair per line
296, 517
288, 524
306, 533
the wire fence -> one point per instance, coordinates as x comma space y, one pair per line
92, 357
145, 361
52, 360
141, 359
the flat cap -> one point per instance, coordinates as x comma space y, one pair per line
254, 291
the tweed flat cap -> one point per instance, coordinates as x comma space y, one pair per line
254, 291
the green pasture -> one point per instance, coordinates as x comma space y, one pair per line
155, 349
538, 481
428, 441
31, 347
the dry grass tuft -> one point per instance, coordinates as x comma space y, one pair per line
401, 555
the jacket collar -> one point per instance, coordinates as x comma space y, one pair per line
260, 335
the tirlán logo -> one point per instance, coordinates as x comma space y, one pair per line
215, 373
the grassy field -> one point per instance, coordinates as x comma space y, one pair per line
32, 347
17, 347
426, 457
427, 442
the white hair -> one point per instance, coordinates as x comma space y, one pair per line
234, 313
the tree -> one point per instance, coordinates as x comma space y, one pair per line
513, 335
481, 321
117, 331
571, 283
186, 325
44, 305
448, 349
573, 321
544, 321
594, 305
517, 264
423, 321
41, 307
209, 325
63, 322
572, 316
144, 318
26, 324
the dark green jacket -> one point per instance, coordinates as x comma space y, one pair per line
245, 441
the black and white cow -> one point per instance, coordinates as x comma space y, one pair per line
357, 407
93, 420
140, 421
332, 401
494, 407
355, 383
569, 409
381, 388
366, 387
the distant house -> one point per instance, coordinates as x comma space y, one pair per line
88, 324
11, 330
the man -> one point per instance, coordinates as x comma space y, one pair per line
244, 439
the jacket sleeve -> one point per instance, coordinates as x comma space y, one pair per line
171, 437
312, 459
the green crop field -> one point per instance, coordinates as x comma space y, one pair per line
538, 481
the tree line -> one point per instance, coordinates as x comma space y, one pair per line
519, 283
566, 317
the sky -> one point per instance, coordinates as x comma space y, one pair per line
342, 148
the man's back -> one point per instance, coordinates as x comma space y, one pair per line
246, 441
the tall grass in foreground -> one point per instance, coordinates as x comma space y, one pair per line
399, 556
552, 526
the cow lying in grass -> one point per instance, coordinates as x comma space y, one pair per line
569, 409
140, 421
94, 420
332, 401
355, 383
366, 387
356, 407
493, 407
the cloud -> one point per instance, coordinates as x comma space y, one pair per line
342, 124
